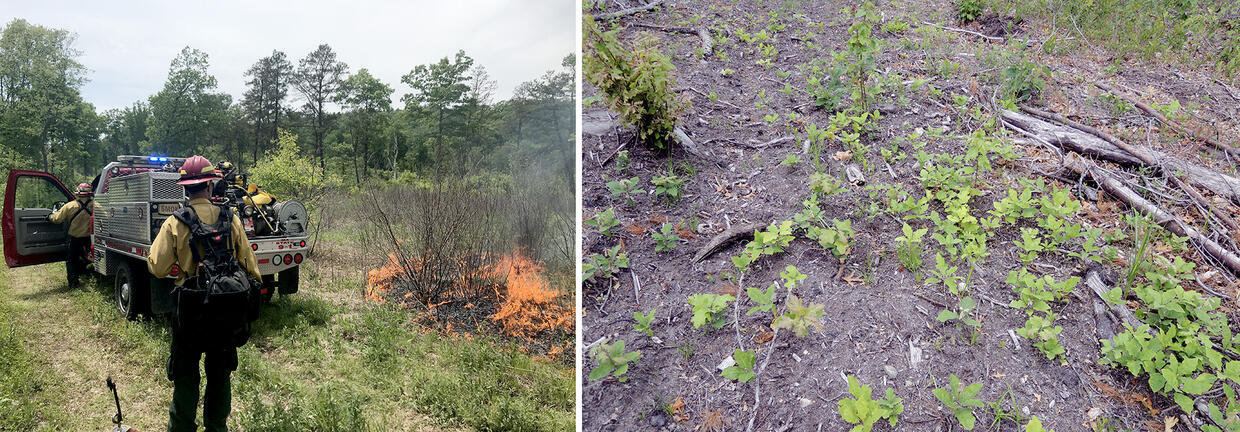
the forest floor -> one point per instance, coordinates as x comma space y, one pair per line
324, 358
935, 90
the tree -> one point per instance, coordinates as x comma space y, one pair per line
368, 101
318, 78
438, 90
264, 100
39, 80
185, 111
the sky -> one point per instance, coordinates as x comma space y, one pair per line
127, 46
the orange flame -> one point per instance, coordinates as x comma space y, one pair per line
530, 305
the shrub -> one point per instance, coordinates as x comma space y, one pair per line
969, 10
636, 82
286, 172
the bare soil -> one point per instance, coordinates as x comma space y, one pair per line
873, 322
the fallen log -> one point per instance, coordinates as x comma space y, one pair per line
1145, 159
1233, 151
724, 238
1134, 200
708, 43
1087, 144
1093, 279
623, 12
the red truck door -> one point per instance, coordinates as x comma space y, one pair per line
29, 238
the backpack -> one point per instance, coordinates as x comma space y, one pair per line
216, 305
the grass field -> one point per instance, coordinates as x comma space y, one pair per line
321, 359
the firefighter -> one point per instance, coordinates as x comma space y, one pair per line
172, 246
78, 213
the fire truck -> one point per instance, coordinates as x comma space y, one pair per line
135, 194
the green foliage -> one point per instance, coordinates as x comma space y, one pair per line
792, 276
287, 172
665, 240
1016, 205
1045, 336
960, 401
1023, 79
709, 309
636, 82
824, 184
622, 160
864, 411
769, 242
604, 221
644, 322
764, 299
799, 318
1036, 293
791, 160
612, 361
668, 187
605, 265
969, 10
944, 273
962, 315
1035, 425
743, 369
625, 188
1031, 243
862, 52
837, 239
909, 248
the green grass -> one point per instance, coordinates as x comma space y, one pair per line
312, 364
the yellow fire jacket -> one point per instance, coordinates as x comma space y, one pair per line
81, 225
171, 245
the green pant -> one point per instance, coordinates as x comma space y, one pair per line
217, 400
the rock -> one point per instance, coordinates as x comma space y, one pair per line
726, 363
1093, 413
891, 371
805, 403
1024, 411
914, 354
658, 420
597, 123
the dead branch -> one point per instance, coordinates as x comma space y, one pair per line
629, 11
724, 238
686, 142
1146, 159
1173, 125
708, 43
960, 30
1093, 279
1090, 145
1117, 189
776, 141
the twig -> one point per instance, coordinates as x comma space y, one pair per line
1233, 151
623, 12
637, 286
960, 30
772, 142
1228, 89
715, 100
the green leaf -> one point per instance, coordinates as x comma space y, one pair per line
601, 371
744, 359
966, 418
946, 315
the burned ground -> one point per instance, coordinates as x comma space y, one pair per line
876, 312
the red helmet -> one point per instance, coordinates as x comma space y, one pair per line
84, 189
197, 169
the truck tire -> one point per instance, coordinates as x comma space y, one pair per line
131, 289
288, 280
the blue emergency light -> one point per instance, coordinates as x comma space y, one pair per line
158, 159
